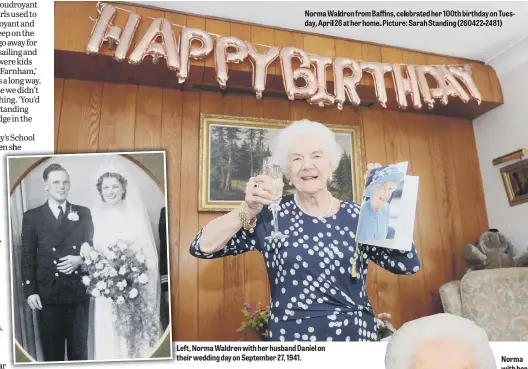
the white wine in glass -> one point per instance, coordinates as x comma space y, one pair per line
273, 170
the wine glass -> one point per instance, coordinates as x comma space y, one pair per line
273, 170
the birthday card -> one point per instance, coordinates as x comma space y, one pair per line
388, 208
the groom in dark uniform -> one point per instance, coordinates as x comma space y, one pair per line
52, 236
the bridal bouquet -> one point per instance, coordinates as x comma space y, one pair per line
121, 275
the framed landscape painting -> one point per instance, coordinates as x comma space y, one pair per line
232, 148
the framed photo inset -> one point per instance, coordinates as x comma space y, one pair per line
89, 257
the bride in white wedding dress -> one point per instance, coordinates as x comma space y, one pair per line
121, 216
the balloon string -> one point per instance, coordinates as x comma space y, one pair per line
100, 6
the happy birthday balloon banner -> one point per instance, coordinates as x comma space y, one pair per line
227, 50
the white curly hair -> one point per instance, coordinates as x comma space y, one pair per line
281, 144
435, 328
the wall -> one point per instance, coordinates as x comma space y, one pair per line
208, 295
499, 132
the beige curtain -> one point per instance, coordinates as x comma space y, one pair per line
25, 320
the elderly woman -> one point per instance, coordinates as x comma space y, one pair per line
317, 288
375, 212
440, 341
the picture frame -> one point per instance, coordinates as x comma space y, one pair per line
28, 194
231, 147
515, 178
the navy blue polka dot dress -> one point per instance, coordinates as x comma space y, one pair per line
313, 296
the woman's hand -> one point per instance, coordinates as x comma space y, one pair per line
370, 167
85, 250
383, 321
260, 191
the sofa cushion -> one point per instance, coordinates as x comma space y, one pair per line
497, 300
450, 296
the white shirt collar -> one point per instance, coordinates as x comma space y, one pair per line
55, 207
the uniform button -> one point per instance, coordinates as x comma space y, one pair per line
56, 274
74, 247
54, 261
54, 249
76, 272
28, 282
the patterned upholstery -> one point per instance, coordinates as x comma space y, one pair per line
450, 295
495, 299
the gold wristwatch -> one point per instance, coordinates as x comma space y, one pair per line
247, 223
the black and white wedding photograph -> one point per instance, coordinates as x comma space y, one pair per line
89, 257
